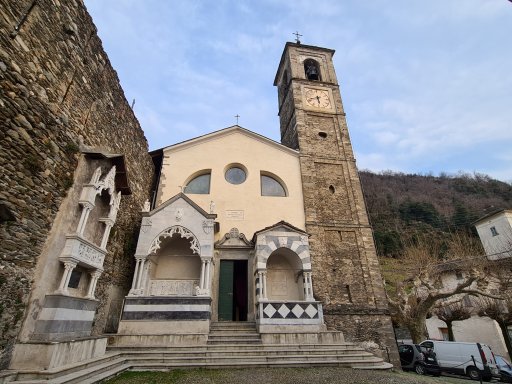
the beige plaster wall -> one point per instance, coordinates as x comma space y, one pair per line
503, 241
475, 329
216, 152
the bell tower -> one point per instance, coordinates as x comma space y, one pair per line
346, 271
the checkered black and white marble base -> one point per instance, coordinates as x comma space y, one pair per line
290, 313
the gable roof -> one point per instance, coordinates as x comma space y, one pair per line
491, 214
282, 223
180, 195
229, 131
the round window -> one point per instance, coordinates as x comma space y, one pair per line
235, 175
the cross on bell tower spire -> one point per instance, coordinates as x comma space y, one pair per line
297, 36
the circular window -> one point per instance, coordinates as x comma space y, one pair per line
235, 175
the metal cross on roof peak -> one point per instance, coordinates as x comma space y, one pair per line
237, 117
297, 36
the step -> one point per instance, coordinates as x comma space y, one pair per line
256, 350
172, 360
234, 341
164, 359
232, 334
62, 377
139, 366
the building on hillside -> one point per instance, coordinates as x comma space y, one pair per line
473, 329
242, 228
495, 232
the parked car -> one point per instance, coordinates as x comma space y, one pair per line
413, 359
505, 369
475, 360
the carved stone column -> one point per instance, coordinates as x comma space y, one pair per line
135, 274
141, 275
145, 273
86, 210
260, 285
66, 275
207, 277
108, 226
95, 275
264, 289
308, 286
201, 279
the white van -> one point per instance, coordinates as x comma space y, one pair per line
472, 359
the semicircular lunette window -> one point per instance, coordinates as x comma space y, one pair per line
199, 185
235, 175
271, 187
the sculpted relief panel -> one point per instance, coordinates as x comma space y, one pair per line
173, 287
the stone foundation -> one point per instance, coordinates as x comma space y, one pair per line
303, 338
374, 332
47, 356
64, 317
164, 340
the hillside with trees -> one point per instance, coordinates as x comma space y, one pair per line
423, 228
402, 205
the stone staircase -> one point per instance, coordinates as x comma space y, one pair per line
229, 345
227, 333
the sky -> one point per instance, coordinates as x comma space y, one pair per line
426, 85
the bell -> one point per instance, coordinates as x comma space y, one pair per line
311, 72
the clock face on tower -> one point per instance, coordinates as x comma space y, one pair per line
318, 98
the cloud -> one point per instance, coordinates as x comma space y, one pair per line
425, 85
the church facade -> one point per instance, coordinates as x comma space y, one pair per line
242, 228
238, 228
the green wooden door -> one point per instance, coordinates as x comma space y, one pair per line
227, 268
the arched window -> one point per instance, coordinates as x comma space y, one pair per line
271, 187
199, 185
312, 69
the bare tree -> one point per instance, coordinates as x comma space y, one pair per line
501, 312
419, 280
450, 312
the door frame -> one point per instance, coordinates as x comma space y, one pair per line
234, 254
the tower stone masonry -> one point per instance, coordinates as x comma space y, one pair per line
345, 266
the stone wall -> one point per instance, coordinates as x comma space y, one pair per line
58, 94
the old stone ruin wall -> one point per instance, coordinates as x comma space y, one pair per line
58, 95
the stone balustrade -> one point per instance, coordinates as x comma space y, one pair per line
82, 251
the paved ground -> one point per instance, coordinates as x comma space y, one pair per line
326, 375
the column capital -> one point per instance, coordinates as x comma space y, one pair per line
69, 264
96, 273
86, 205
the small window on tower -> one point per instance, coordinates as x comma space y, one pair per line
494, 232
312, 70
